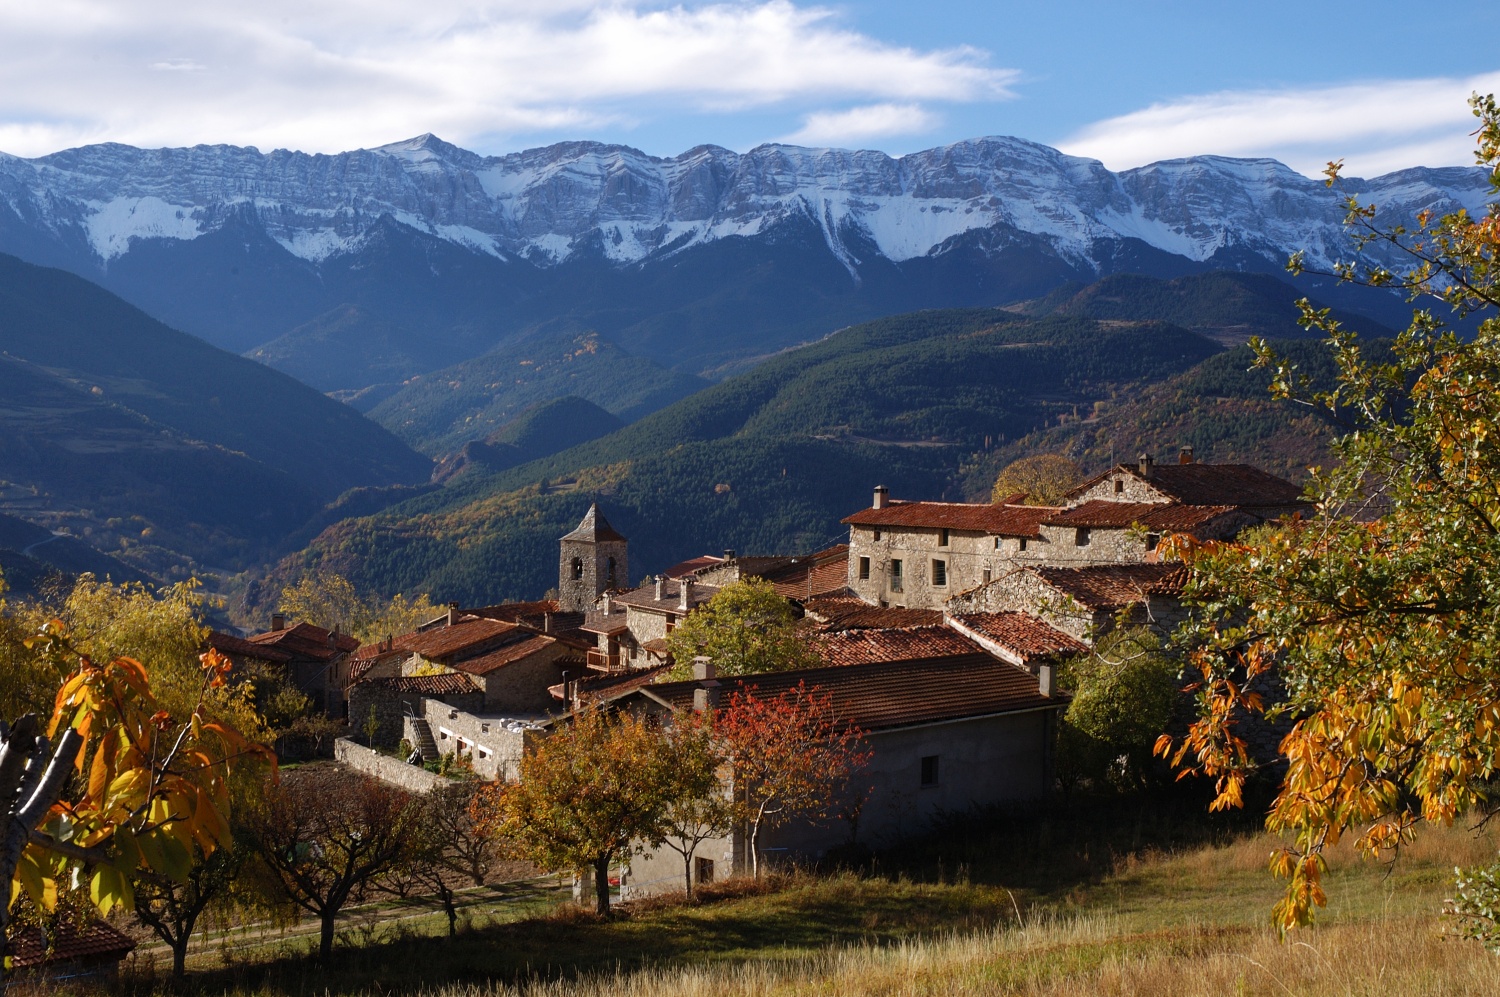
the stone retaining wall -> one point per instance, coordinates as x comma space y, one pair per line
385, 768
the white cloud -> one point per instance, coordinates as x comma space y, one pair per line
861, 124
1375, 127
343, 74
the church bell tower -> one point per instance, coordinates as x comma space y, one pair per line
592, 559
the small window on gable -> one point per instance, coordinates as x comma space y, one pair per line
929, 770
1021, 544
864, 569
877, 534
577, 568
942, 538
1119, 487
940, 572
1081, 537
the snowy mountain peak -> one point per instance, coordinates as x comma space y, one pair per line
551, 203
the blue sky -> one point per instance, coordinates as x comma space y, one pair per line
1127, 83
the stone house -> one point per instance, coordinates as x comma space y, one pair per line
316, 660
1083, 601
945, 734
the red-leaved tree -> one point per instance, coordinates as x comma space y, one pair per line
791, 757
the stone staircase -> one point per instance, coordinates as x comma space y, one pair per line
426, 744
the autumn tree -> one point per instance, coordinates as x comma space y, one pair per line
326, 835
1380, 618
700, 802
448, 845
590, 792
331, 601
1044, 479
790, 756
171, 906
152, 792
745, 629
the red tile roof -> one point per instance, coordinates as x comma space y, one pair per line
1150, 515
307, 641
858, 647
999, 520
888, 694
853, 613
96, 941
1022, 634
523, 645
612, 686
813, 575
691, 565
1211, 484
1109, 586
645, 597
447, 684
238, 646
444, 642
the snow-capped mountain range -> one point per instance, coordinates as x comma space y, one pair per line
544, 204
247, 248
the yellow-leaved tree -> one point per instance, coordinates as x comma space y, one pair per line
1376, 622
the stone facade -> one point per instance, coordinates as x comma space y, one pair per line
900, 566
493, 743
592, 559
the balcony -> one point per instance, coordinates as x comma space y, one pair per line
605, 662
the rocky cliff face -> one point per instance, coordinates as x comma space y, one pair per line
288, 237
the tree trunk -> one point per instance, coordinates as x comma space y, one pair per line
325, 943
601, 885
179, 957
687, 872
452, 911
755, 849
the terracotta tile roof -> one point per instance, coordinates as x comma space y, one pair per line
692, 564
889, 694
852, 613
645, 596
594, 527
999, 520
523, 644
448, 684
1210, 484
515, 612
599, 622
232, 645
858, 647
1150, 515
444, 642
611, 686
1022, 634
813, 575
307, 641
1108, 586
96, 941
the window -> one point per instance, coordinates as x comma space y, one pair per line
999, 542
1152, 539
929, 770
1021, 544
577, 568
1081, 537
612, 573
877, 534
940, 572
895, 576
986, 576
703, 870
864, 569
1119, 487
942, 538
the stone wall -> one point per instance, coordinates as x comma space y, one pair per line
1131, 488
391, 707
521, 686
967, 557
411, 778
492, 748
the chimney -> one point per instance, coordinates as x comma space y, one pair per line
609, 605
333, 636
1044, 678
882, 496
706, 696
278, 621
452, 613
685, 594
546, 623
1145, 465
1185, 455
729, 554
661, 587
